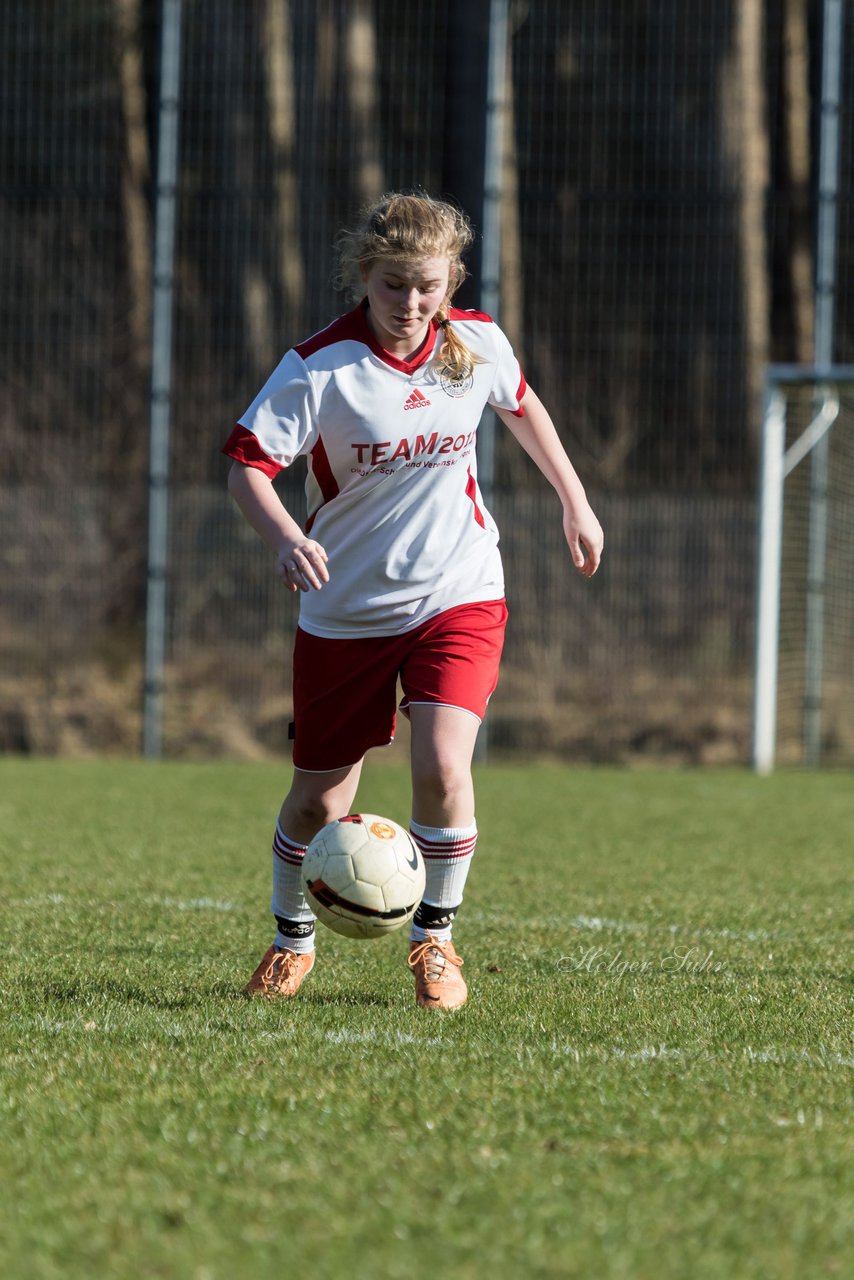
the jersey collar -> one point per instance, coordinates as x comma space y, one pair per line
405, 366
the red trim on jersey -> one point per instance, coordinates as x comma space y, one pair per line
471, 492
322, 472
523, 387
354, 327
457, 313
243, 447
347, 328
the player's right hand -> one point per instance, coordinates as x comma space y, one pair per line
302, 564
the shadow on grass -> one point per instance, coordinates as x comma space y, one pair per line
348, 997
319, 999
97, 990
94, 991
344, 998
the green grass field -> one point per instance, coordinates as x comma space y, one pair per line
652, 1078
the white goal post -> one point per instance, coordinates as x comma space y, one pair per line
806, 529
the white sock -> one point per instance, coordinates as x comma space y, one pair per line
294, 917
447, 854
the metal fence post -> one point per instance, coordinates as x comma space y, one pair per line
490, 280
828, 200
769, 554
161, 375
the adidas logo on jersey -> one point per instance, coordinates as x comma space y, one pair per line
416, 401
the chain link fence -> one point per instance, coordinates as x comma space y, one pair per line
658, 212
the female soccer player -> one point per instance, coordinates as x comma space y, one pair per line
398, 563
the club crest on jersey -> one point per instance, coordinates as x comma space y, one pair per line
456, 385
416, 401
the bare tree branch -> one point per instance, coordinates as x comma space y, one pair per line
362, 74
745, 131
277, 45
136, 171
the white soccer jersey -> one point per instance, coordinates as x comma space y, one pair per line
391, 490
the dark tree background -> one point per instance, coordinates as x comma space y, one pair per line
630, 244
658, 209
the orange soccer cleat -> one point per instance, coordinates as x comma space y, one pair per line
280, 973
438, 981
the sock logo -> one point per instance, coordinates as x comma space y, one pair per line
295, 928
429, 917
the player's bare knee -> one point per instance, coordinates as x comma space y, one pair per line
312, 811
440, 783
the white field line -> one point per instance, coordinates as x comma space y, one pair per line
814, 1056
179, 1031
738, 935
347, 1036
595, 924
194, 904
819, 1056
152, 900
605, 924
40, 900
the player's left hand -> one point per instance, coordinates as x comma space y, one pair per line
584, 538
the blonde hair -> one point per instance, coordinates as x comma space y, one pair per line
403, 227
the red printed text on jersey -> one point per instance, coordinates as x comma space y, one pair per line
422, 445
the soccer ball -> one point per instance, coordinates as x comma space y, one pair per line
363, 876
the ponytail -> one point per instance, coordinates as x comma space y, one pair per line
453, 355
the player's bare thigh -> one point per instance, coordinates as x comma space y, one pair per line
317, 798
442, 746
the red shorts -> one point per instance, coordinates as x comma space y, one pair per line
345, 691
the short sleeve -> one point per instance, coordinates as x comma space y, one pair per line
282, 418
508, 385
